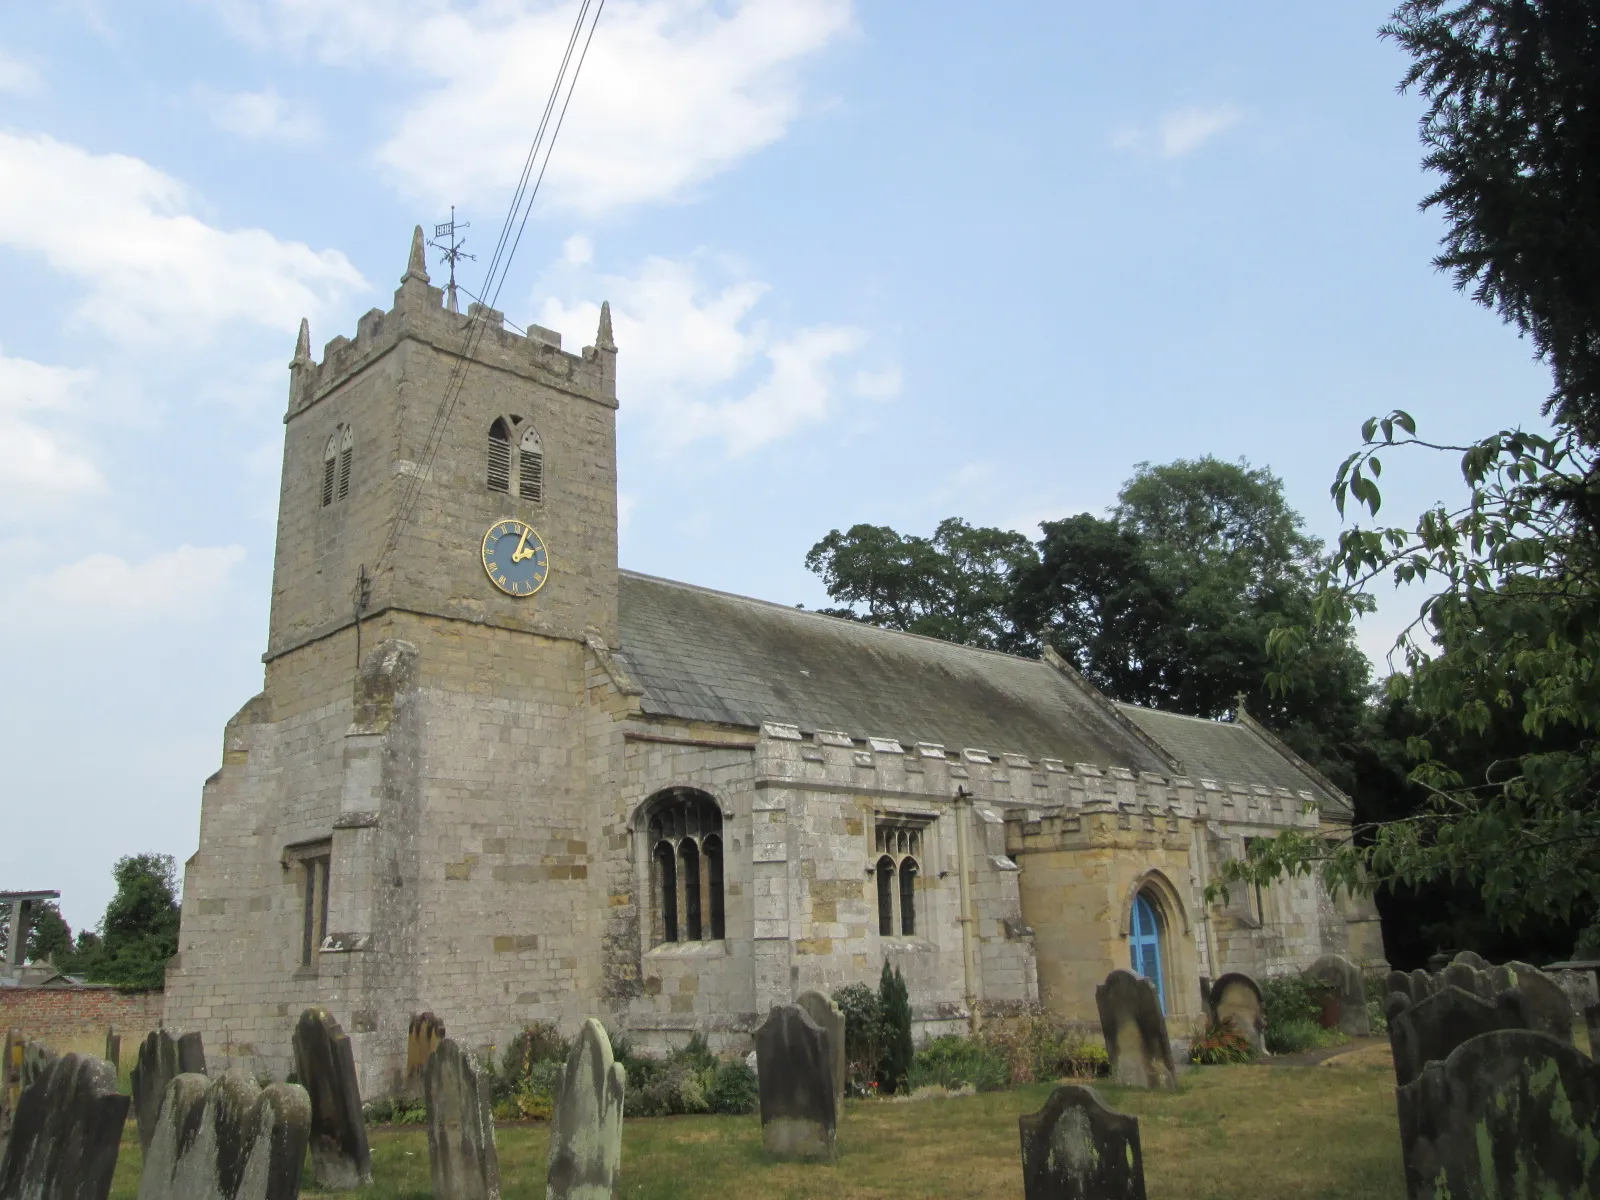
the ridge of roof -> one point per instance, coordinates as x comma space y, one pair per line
845, 622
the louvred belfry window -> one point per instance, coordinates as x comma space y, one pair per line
346, 453
499, 457
530, 466
330, 455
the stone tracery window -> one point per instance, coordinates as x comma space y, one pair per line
686, 901
527, 480
899, 846
336, 461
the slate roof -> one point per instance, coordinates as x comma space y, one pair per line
703, 655
1226, 751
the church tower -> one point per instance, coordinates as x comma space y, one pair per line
445, 571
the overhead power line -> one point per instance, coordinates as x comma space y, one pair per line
522, 198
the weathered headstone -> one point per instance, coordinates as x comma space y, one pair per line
1469, 979
1591, 1022
1135, 1032
227, 1139
325, 1063
1075, 1148
1472, 959
461, 1150
422, 1039
1344, 977
1398, 981
1423, 984
113, 1048
799, 1103
1429, 1031
65, 1133
1549, 1010
1237, 998
162, 1058
586, 1126
830, 1017
1580, 989
1508, 1114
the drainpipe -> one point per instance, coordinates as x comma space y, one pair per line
968, 950
1205, 909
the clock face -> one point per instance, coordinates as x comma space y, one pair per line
515, 557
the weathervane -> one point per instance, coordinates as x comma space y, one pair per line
450, 250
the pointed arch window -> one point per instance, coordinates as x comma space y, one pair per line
330, 464
530, 466
516, 458
347, 445
684, 828
500, 456
898, 840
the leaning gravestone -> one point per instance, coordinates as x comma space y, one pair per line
1237, 998
830, 1017
422, 1039
461, 1151
162, 1058
1344, 977
65, 1133
1135, 1032
586, 1125
326, 1065
1429, 1031
794, 1075
1075, 1148
1509, 1114
227, 1139
1549, 1009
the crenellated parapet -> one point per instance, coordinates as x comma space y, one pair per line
420, 313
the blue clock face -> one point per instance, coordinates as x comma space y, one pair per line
515, 557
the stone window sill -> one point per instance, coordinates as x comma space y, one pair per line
306, 973
713, 949
912, 943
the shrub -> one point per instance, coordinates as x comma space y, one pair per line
863, 1036
1377, 1017
1293, 1005
954, 1061
1038, 1046
1222, 1044
895, 1002
395, 1110
733, 1090
1299, 1034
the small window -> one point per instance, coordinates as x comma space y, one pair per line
886, 896
330, 455
499, 457
908, 897
898, 840
346, 452
686, 901
530, 466
314, 914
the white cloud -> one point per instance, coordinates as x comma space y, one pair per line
261, 115
1178, 133
153, 269
698, 362
672, 91
41, 464
181, 584
16, 75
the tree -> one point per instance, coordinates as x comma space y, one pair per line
894, 1002
45, 933
953, 585
139, 931
1503, 655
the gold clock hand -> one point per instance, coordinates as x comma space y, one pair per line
522, 551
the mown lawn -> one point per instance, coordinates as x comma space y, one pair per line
1323, 1132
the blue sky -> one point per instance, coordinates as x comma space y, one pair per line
869, 262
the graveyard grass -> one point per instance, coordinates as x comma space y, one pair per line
1324, 1132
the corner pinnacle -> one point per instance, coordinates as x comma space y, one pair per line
603, 339
417, 267
302, 345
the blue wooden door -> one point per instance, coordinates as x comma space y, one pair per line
1145, 946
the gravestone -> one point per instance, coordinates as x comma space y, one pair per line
1580, 989
794, 1075
1075, 1148
162, 1058
325, 1062
1429, 1031
1398, 981
1423, 984
461, 1150
1591, 1022
113, 1048
1549, 1010
586, 1125
1237, 998
1135, 1032
830, 1017
1472, 959
1344, 977
65, 1133
1470, 980
1508, 1114
227, 1138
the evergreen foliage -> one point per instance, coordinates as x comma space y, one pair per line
894, 1002
139, 931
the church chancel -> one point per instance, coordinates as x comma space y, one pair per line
492, 776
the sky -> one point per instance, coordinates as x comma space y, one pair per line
869, 262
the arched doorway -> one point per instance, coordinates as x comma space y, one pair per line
1144, 944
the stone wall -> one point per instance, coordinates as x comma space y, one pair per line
76, 1018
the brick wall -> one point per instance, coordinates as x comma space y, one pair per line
76, 1018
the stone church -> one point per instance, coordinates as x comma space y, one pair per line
492, 775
